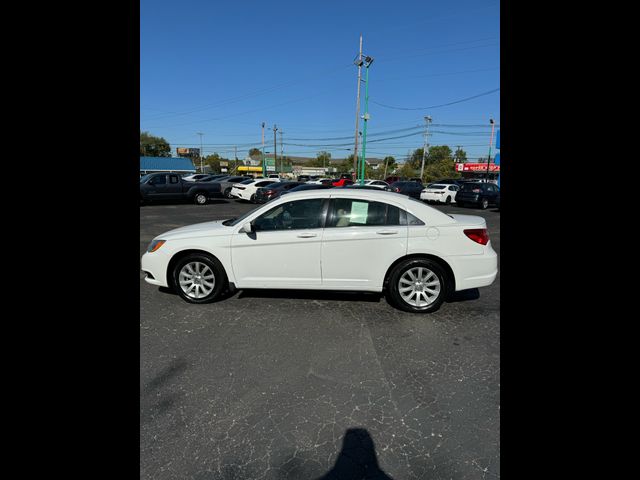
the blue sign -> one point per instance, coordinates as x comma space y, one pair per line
498, 140
496, 160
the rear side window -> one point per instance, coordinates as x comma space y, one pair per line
263, 184
173, 179
407, 218
347, 212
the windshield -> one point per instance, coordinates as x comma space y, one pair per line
236, 220
146, 177
439, 187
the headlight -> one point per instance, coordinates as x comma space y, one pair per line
155, 245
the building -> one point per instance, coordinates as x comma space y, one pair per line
166, 164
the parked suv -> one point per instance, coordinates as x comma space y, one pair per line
411, 189
479, 194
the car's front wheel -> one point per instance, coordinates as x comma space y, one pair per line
199, 278
200, 198
418, 285
484, 203
448, 201
227, 193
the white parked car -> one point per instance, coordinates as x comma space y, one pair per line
361, 240
246, 190
376, 183
440, 193
318, 181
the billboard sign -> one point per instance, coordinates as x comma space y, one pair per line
188, 152
476, 167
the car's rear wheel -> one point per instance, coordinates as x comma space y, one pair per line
460, 204
448, 200
418, 285
252, 199
200, 198
484, 203
227, 193
199, 278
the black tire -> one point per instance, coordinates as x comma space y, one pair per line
212, 265
253, 198
484, 203
448, 200
441, 290
200, 198
227, 193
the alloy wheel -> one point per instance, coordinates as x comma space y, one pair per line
419, 286
196, 280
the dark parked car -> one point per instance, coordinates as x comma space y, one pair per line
412, 189
498, 200
476, 193
390, 180
227, 182
304, 178
306, 186
211, 178
170, 186
269, 192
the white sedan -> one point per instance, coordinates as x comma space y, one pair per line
331, 239
376, 183
246, 190
440, 193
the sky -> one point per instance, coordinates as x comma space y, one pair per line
222, 68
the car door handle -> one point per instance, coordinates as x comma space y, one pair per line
307, 235
387, 232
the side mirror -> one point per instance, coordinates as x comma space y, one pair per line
246, 228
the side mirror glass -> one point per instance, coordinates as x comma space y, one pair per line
246, 228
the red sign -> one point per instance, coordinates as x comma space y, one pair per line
476, 167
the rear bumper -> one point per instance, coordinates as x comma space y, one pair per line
474, 271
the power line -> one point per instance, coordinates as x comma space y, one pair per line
438, 106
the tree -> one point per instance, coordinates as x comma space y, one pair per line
406, 170
214, 162
440, 169
460, 155
152, 146
390, 165
255, 154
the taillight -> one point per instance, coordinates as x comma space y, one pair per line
269, 192
478, 235
396, 189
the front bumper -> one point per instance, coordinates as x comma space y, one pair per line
154, 265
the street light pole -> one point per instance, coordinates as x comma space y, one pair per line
427, 119
359, 63
201, 134
490, 143
368, 61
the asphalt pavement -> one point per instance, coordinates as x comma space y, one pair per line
270, 384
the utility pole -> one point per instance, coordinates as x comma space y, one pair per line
235, 157
359, 63
281, 154
275, 146
264, 168
427, 119
490, 143
201, 134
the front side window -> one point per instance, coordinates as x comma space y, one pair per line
159, 180
295, 215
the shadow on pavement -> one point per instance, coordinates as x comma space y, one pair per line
357, 459
464, 295
312, 295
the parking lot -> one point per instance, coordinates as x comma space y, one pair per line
298, 384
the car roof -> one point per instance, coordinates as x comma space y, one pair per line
416, 207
